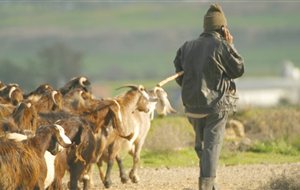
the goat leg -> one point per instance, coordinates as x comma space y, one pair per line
107, 179
123, 175
100, 168
136, 161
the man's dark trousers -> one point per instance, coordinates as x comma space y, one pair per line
209, 135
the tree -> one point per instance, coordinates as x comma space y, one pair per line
60, 63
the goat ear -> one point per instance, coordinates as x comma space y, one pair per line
61, 137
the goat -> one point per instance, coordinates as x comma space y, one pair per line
76, 82
78, 101
80, 157
12, 93
140, 124
6, 109
8, 125
25, 116
134, 103
11, 131
89, 106
49, 101
45, 98
40, 90
81, 152
22, 163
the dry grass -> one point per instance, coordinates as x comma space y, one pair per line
288, 180
170, 133
270, 130
271, 123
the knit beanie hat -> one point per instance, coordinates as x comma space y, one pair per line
214, 18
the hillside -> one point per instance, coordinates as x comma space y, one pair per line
121, 41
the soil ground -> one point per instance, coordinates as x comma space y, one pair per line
241, 177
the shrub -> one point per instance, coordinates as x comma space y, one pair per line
271, 123
285, 181
279, 146
169, 133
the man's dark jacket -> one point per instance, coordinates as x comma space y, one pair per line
209, 64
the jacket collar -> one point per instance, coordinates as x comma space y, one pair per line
211, 33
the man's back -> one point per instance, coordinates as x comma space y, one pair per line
207, 66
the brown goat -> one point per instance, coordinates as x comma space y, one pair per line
50, 101
40, 90
22, 164
6, 110
12, 93
80, 157
45, 98
78, 101
8, 125
25, 116
76, 83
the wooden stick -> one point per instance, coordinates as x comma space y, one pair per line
165, 81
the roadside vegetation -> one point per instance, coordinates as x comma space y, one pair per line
274, 134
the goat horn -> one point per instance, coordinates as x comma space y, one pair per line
165, 81
11, 91
132, 86
53, 93
82, 80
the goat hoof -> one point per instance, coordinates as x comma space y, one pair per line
107, 183
124, 178
134, 178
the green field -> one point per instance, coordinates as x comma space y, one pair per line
188, 157
274, 135
121, 41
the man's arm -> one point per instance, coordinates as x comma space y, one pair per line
178, 66
233, 62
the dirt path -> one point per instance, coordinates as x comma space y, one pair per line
243, 177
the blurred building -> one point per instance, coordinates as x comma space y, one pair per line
273, 90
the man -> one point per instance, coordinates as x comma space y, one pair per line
209, 64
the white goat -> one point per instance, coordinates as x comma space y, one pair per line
138, 123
